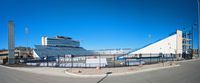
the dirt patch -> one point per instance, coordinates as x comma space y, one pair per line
99, 71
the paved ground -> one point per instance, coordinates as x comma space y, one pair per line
93, 72
188, 72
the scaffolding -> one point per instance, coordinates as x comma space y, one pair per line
188, 43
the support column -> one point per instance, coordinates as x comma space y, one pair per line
11, 44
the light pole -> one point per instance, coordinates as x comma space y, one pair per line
198, 1
26, 33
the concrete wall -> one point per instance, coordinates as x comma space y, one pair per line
179, 42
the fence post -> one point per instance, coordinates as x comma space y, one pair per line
160, 56
58, 61
167, 57
64, 60
163, 59
171, 57
71, 61
99, 62
124, 61
114, 60
157, 60
140, 59
47, 61
85, 61
150, 58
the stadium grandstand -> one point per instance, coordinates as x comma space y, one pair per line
59, 46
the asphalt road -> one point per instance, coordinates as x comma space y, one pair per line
188, 72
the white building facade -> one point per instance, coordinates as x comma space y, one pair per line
169, 45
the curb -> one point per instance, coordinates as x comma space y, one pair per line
8, 67
24, 70
119, 74
189, 60
84, 76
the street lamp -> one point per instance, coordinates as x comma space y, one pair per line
198, 2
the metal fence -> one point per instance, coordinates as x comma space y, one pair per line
88, 61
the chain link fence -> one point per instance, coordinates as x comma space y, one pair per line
114, 60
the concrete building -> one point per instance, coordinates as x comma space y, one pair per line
24, 52
20, 53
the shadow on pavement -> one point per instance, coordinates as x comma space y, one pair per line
104, 77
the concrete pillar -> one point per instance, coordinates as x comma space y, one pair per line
11, 44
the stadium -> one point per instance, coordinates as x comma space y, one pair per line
66, 52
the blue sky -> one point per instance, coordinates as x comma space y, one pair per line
98, 24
